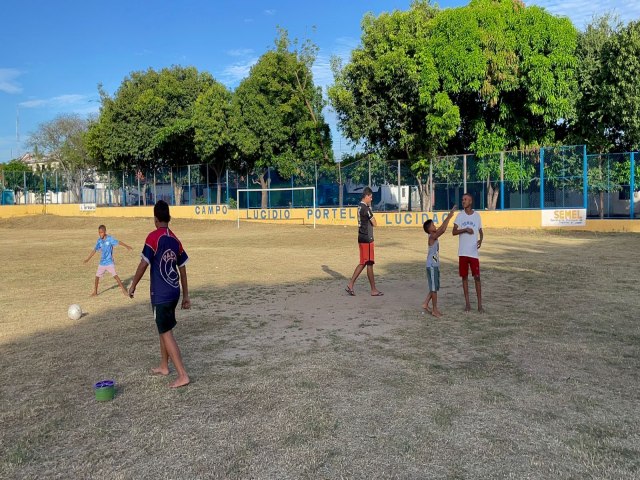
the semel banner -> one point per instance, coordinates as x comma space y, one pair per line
564, 217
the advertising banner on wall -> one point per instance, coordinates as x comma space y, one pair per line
564, 217
87, 207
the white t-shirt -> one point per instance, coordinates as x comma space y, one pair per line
468, 246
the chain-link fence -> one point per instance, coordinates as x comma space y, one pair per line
551, 177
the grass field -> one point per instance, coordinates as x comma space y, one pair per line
292, 378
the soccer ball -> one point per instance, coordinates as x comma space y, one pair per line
74, 312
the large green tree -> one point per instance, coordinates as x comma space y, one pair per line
277, 114
490, 76
608, 105
389, 98
148, 123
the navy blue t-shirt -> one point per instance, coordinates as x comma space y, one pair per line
164, 253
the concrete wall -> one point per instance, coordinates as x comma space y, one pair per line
522, 219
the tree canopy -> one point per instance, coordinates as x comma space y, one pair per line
277, 113
148, 122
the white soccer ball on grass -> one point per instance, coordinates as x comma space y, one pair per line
74, 312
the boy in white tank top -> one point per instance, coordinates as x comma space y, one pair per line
433, 262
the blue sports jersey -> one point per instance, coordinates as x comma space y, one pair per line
105, 247
164, 253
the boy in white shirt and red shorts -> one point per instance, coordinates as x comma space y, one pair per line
468, 226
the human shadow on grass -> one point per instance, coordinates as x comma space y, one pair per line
333, 273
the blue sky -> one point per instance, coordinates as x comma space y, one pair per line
54, 54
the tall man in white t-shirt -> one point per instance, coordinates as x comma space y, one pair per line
468, 226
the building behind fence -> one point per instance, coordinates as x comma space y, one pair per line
550, 177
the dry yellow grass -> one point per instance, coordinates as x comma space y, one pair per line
292, 378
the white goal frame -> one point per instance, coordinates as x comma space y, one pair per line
283, 189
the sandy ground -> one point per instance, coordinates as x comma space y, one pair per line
293, 378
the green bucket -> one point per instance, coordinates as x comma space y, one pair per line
105, 390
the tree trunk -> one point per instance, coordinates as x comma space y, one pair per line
602, 204
264, 183
218, 173
425, 195
492, 195
177, 192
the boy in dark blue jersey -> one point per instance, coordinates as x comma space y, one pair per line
164, 253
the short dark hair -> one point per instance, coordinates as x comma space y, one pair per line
102, 227
366, 191
426, 224
161, 211
467, 194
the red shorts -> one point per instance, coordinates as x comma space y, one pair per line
366, 253
463, 266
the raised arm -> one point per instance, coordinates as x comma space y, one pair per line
443, 228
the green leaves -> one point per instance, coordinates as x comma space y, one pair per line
149, 119
277, 116
608, 107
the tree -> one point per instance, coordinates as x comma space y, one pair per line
490, 76
277, 114
589, 125
148, 123
63, 141
389, 97
608, 105
212, 127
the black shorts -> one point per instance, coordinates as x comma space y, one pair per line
165, 316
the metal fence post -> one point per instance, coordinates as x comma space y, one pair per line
501, 180
138, 175
585, 178
632, 186
269, 185
227, 186
173, 190
315, 166
542, 178
209, 188
189, 181
24, 185
399, 189
464, 173
124, 193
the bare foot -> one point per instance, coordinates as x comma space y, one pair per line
179, 382
94, 294
426, 308
467, 308
126, 294
480, 310
160, 371
436, 313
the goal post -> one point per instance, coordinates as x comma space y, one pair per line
283, 189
